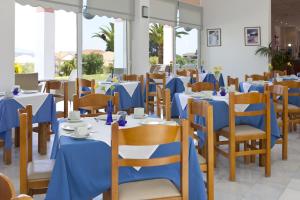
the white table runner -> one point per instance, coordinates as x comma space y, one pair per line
130, 87
102, 132
35, 99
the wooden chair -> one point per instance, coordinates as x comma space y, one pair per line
256, 77
163, 101
268, 75
144, 136
34, 174
182, 72
134, 77
59, 89
202, 86
279, 95
154, 80
233, 81
194, 74
94, 102
206, 160
7, 190
280, 73
80, 83
293, 110
245, 133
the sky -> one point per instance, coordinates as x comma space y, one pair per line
65, 32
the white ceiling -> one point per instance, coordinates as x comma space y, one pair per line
286, 12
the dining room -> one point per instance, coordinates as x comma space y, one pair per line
149, 99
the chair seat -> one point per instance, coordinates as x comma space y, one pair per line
40, 169
245, 130
290, 107
148, 189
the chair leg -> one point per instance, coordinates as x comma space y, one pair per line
216, 140
261, 156
106, 195
253, 146
268, 159
285, 146
42, 138
232, 158
210, 183
246, 148
7, 156
17, 137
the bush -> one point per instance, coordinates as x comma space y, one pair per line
18, 68
66, 68
181, 60
92, 64
153, 60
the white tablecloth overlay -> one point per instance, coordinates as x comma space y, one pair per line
246, 85
185, 80
183, 98
35, 99
130, 87
102, 132
202, 76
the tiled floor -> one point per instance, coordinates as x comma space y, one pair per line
284, 184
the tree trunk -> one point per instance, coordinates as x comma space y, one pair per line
160, 54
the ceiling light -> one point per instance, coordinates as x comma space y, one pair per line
289, 45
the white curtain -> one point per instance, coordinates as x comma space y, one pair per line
67, 5
163, 12
112, 8
190, 15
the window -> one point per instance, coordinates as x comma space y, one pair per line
186, 48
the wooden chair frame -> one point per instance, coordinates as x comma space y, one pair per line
256, 77
80, 82
233, 81
151, 79
204, 109
144, 136
134, 77
264, 149
203, 86
276, 92
181, 72
163, 101
94, 102
37, 186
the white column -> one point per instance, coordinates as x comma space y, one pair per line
140, 40
45, 51
120, 45
79, 44
7, 47
168, 44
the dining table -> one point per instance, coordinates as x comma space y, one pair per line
211, 78
221, 112
43, 111
82, 167
130, 92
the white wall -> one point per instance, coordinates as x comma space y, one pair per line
7, 45
140, 40
232, 16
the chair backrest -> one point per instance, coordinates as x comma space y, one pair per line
194, 74
280, 73
256, 77
182, 72
249, 98
59, 89
94, 102
134, 77
25, 144
27, 81
150, 135
80, 83
155, 79
163, 101
294, 85
233, 81
7, 190
202, 86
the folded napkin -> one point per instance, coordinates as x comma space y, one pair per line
183, 99
202, 76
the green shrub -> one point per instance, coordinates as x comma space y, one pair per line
92, 64
153, 60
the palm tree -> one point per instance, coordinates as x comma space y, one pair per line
108, 35
156, 36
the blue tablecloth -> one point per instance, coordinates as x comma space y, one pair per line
83, 170
125, 100
175, 85
9, 117
212, 79
221, 116
294, 100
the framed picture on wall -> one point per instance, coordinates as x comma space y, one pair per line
252, 36
214, 37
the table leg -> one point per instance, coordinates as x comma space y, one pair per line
17, 137
42, 138
7, 156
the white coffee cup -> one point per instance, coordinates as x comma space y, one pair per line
81, 130
138, 112
74, 115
